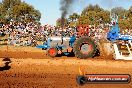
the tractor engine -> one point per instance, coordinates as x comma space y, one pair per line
59, 45
59, 41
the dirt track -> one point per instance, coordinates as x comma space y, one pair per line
28, 70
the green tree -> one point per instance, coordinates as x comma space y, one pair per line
103, 17
62, 22
94, 14
127, 21
73, 19
120, 11
18, 11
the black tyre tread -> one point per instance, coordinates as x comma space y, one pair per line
78, 42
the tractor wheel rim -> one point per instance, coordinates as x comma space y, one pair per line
86, 48
52, 51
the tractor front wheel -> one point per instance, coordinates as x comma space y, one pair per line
52, 52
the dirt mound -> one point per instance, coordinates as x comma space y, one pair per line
105, 49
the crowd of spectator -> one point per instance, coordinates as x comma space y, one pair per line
30, 34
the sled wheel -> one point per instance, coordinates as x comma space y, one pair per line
84, 47
52, 52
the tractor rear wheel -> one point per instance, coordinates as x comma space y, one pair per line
84, 47
52, 52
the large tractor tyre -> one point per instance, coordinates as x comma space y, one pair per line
52, 52
84, 47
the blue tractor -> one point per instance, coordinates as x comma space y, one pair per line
86, 47
82, 47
